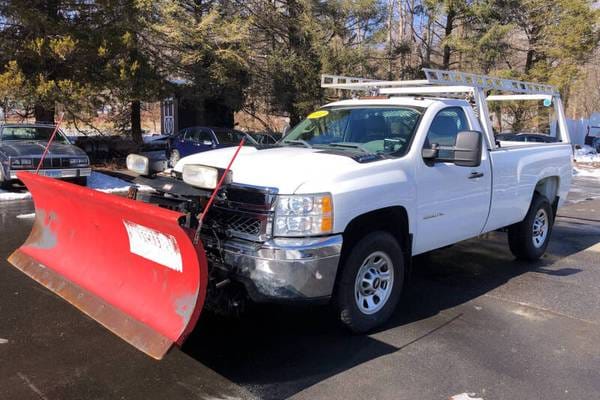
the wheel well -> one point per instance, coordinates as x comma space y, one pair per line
393, 220
548, 187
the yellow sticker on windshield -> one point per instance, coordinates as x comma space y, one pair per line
318, 114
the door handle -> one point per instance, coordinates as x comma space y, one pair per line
475, 174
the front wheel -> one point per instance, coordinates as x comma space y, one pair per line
371, 282
529, 238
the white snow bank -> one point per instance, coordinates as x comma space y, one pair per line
97, 180
588, 158
587, 172
584, 150
586, 154
106, 183
26, 216
6, 195
110, 184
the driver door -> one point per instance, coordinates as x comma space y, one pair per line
453, 201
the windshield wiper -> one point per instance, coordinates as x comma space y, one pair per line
357, 146
299, 141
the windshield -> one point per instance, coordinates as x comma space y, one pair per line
371, 129
233, 137
42, 133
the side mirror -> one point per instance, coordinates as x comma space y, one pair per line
468, 147
207, 142
430, 154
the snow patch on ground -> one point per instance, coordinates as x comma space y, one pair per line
586, 154
465, 396
26, 216
106, 183
97, 180
586, 172
588, 158
6, 195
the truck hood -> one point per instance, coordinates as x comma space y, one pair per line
36, 148
285, 168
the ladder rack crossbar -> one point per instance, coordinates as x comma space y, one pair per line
441, 77
436, 77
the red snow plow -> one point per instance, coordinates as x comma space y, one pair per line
129, 265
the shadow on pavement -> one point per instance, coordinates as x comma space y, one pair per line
277, 351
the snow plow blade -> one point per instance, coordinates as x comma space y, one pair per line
127, 264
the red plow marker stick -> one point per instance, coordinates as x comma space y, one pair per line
49, 143
216, 190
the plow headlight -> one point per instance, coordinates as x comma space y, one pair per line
303, 215
200, 176
138, 164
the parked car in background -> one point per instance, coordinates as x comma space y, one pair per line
526, 137
197, 139
22, 146
265, 138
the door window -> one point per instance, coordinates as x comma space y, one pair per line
444, 129
197, 135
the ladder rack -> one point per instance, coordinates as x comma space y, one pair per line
436, 77
440, 83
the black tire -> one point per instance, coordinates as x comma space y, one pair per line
521, 239
345, 297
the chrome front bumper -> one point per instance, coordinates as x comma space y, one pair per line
285, 269
57, 173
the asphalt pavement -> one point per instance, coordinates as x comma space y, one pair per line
473, 323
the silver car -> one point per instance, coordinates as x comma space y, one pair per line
22, 146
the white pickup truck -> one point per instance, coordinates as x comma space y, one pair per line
335, 211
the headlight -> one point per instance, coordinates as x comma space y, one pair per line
21, 163
78, 161
303, 215
138, 164
200, 176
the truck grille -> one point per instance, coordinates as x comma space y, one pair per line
243, 212
244, 224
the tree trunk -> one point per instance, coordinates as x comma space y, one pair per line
529, 60
447, 32
43, 114
136, 121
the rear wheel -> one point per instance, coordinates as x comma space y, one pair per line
371, 282
529, 238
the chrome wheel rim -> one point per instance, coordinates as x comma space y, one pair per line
540, 228
374, 283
